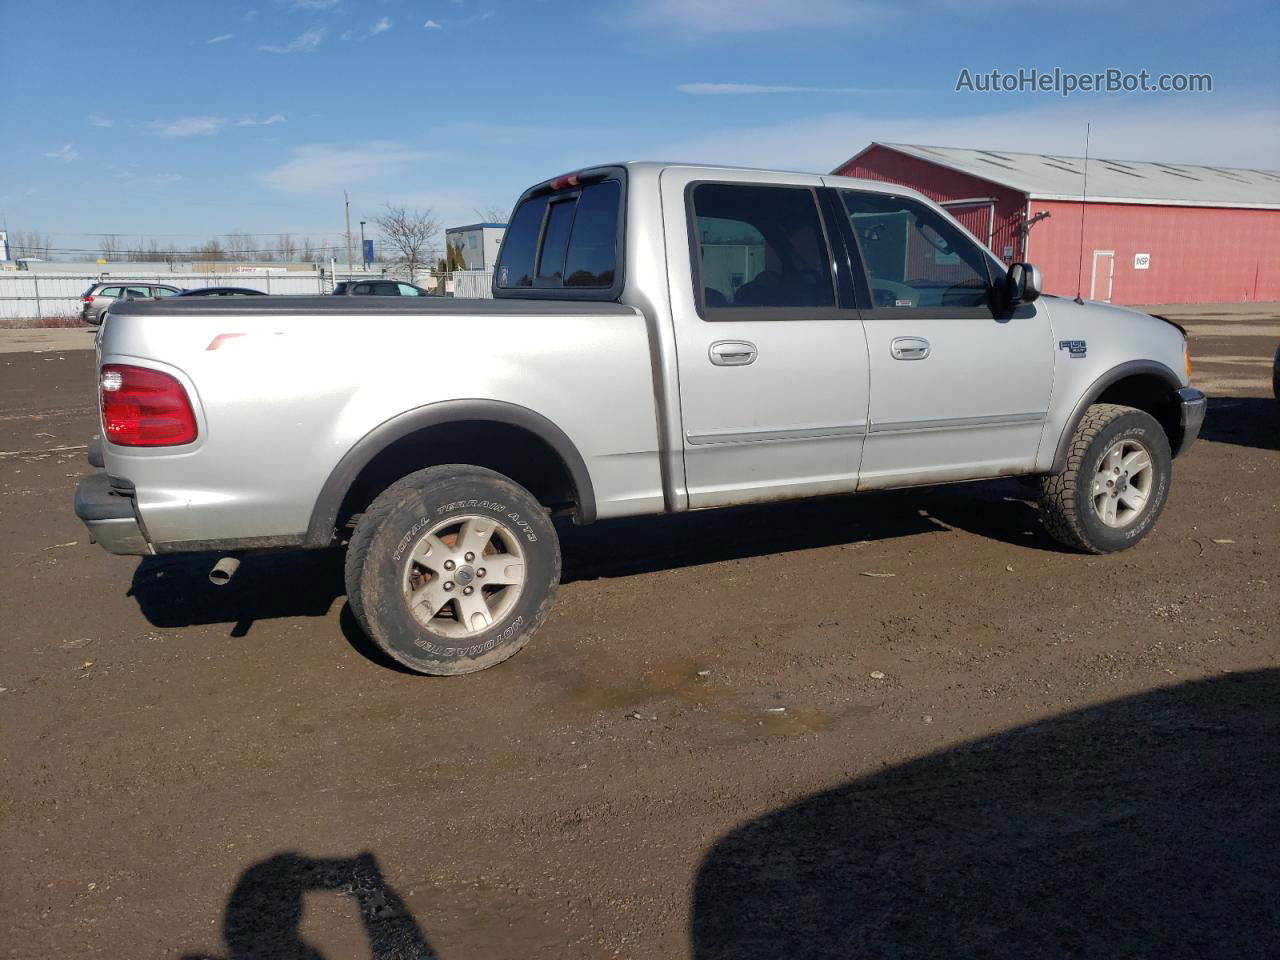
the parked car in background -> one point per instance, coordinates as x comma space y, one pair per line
222, 292
95, 301
379, 288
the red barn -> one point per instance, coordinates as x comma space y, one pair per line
1153, 232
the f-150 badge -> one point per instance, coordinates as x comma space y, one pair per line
1078, 348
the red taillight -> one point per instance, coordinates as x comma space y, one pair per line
144, 408
86, 299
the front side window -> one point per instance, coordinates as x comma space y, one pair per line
915, 257
407, 291
760, 246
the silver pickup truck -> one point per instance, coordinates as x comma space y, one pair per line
662, 338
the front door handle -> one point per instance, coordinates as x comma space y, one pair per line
909, 348
732, 353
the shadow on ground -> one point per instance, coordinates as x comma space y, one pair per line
1243, 421
264, 912
1145, 827
174, 590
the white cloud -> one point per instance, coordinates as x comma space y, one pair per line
748, 16
163, 178
1221, 134
304, 42
66, 153
221, 38
187, 126
315, 4
321, 168
732, 89
431, 25
249, 16
380, 27
98, 120
264, 122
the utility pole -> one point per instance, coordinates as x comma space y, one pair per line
364, 257
347, 201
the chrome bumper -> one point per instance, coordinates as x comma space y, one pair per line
1192, 404
110, 516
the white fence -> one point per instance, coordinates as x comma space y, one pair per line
31, 295
473, 284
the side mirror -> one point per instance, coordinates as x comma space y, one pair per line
1022, 284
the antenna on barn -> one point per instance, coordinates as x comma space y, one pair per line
1084, 199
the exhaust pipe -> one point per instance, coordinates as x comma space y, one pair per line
223, 571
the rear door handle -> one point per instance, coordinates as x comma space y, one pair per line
732, 353
909, 348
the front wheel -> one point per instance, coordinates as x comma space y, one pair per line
1115, 483
452, 569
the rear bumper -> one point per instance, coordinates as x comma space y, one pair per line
110, 515
1192, 404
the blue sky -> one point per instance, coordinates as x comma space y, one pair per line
176, 121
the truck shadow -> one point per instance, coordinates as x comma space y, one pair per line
1243, 422
995, 509
1143, 827
264, 912
174, 590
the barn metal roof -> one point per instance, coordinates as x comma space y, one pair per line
1045, 176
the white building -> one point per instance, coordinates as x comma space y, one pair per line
477, 244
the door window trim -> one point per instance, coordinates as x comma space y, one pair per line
840, 311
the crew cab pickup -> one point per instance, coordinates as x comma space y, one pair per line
662, 338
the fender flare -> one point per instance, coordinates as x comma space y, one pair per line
1127, 369
324, 514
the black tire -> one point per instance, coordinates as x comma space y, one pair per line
398, 521
1067, 499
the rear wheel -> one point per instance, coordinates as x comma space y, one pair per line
452, 569
1115, 483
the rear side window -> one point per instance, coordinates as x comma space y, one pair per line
760, 246
110, 292
565, 241
164, 291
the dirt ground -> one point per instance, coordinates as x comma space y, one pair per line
902, 724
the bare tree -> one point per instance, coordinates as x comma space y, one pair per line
494, 213
241, 246
286, 248
31, 245
110, 248
410, 235
212, 251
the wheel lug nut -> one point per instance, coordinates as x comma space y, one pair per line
448, 585
480, 572
467, 591
449, 564
470, 556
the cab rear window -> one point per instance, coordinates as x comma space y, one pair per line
565, 243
